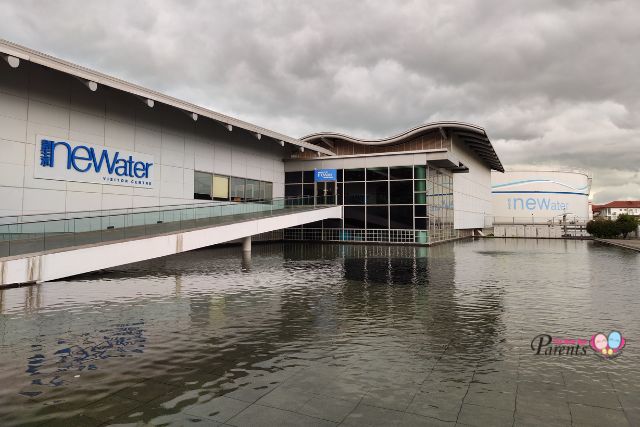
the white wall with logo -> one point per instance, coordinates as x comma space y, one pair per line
37, 101
540, 196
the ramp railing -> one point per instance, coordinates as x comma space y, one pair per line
26, 234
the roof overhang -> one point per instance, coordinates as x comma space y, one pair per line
94, 77
471, 135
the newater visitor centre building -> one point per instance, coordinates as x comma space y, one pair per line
75, 142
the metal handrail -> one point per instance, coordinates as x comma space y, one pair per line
146, 209
58, 233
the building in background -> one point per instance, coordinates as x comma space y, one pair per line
611, 210
429, 184
540, 197
75, 141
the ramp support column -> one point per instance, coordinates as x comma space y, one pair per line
246, 244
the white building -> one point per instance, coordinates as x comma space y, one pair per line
77, 140
525, 197
612, 210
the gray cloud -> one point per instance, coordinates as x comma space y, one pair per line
555, 83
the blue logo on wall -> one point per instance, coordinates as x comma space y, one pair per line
323, 175
112, 167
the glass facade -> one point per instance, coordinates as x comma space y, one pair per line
399, 204
208, 186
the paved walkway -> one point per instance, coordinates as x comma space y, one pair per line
633, 244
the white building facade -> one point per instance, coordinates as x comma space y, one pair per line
541, 197
616, 208
73, 140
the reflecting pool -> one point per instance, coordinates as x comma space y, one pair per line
324, 334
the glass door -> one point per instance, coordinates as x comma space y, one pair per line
326, 193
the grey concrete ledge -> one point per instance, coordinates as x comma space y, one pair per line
633, 244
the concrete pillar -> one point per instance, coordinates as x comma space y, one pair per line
246, 244
246, 261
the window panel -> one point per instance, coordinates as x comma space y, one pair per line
354, 193
237, 189
377, 193
292, 177
332, 223
293, 190
268, 191
401, 217
401, 172
220, 187
354, 174
252, 188
377, 174
202, 185
377, 217
401, 192
354, 217
307, 177
308, 189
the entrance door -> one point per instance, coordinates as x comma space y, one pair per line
326, 193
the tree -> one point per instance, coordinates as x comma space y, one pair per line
626, 224
603, 228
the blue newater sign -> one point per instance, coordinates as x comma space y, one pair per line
71, 161
322, 175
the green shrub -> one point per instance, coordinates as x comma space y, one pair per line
626, 224
603, 228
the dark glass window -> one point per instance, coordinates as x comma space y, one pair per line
252, 189
354, 193
202, 185
237, 188
401, 192
354, 174
340, 175
308, 189
401, 172
421, 210
377, 217
332, 223
293, 190
315, 224
308, 177
377, 193
377, 174
401, 217
421, 223
292, 177
340, 193
354, 217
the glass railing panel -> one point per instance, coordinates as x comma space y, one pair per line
62, 230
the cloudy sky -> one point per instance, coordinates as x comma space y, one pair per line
555, 83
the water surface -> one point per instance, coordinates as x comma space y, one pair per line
324, 334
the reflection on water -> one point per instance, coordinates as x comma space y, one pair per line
370, 326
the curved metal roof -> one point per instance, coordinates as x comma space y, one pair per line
473, 136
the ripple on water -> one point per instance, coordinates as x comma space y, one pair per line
153, 339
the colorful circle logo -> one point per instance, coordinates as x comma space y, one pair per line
607, 346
